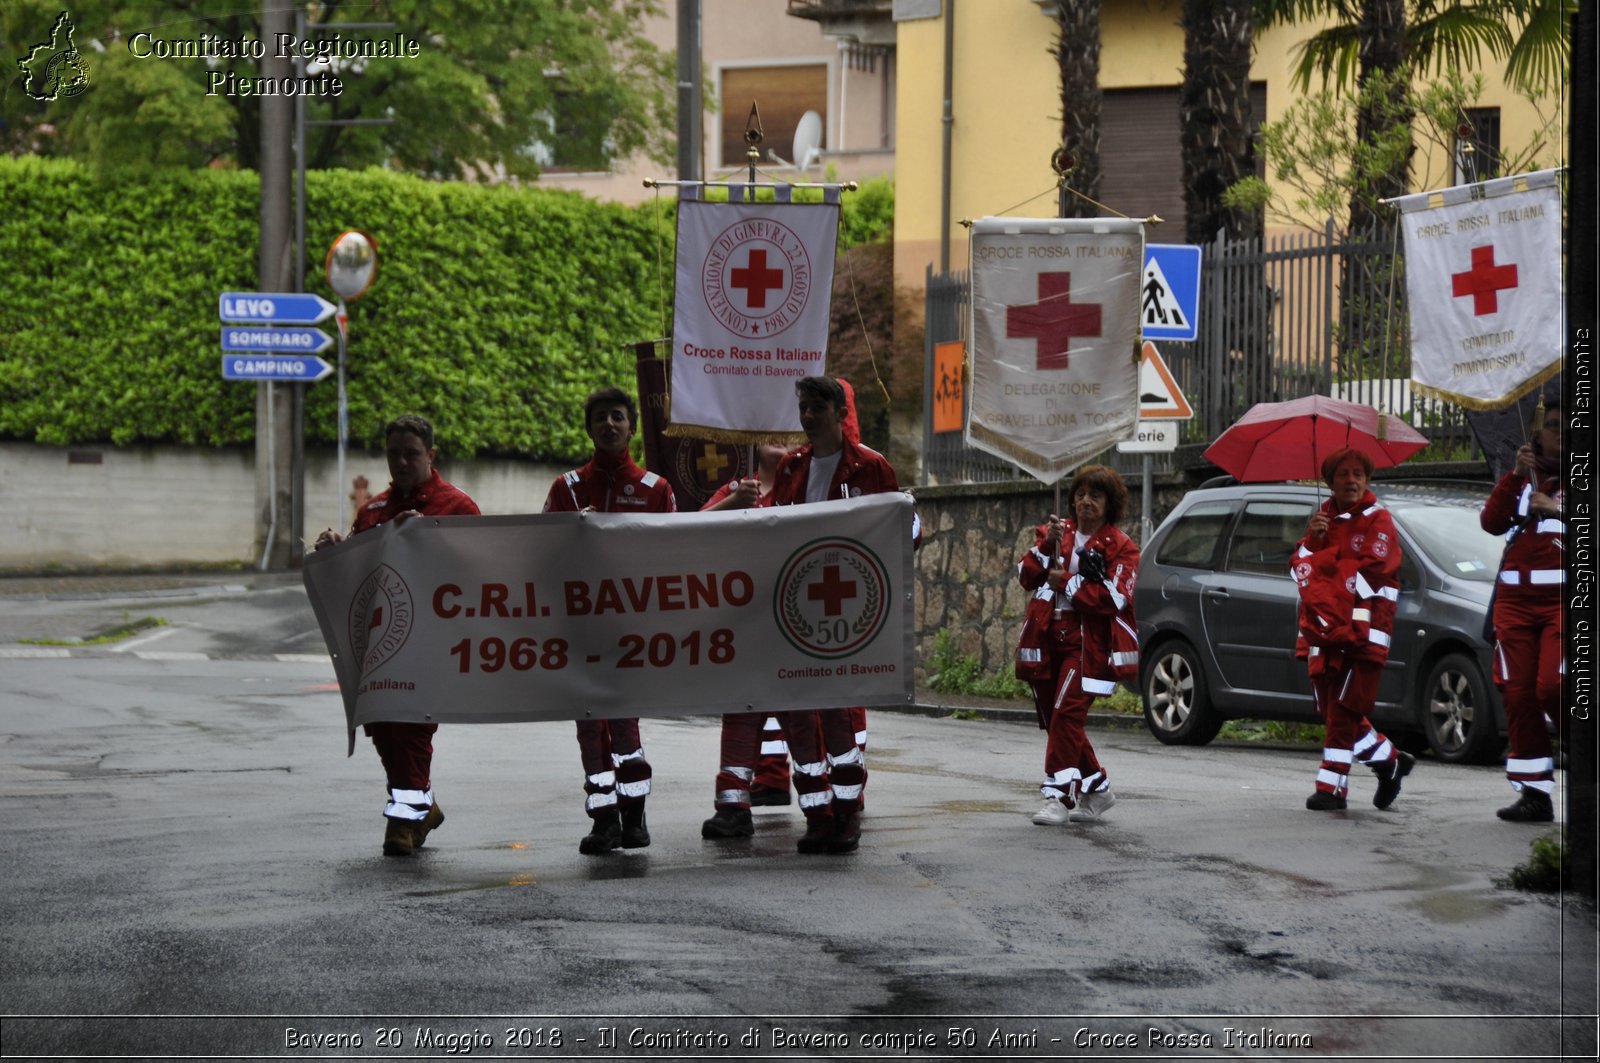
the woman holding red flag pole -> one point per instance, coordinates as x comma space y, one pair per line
1527, 506
1347, 568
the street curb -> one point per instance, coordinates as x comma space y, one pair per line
1107, 721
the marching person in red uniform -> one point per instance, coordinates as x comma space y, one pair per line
616, 773
1078, 636
1527, 505
406, 749
747, 745
830, 775
1347, 568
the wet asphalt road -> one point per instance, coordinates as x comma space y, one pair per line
191, 866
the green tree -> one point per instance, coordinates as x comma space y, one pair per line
500, 87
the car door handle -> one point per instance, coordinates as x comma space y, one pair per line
1217, 593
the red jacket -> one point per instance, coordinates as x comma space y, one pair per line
436, 498
861, 471
610, 485
1096, 619
1534, 559
1349, 586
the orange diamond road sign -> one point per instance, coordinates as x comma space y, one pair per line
1159, 397
949, 359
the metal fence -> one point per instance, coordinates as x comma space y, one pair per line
1300, 314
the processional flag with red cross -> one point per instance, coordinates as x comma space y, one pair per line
1055, 339
1483, 279
750, 312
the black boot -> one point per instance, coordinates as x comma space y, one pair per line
729, 823
846, 832
635, 835
1532, 806
1389, 776
604, 836
819, 832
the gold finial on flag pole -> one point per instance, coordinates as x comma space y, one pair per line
753, 136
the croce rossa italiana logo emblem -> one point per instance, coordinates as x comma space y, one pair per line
832, 598
381, 618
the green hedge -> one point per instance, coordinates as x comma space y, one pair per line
494, 312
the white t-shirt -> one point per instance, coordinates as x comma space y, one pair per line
819, 478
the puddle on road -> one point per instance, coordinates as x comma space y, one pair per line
1459, 907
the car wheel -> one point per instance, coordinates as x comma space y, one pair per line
1176, 707
1456, 712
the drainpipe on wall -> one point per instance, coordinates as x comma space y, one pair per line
949, 123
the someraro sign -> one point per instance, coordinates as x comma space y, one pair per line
566, 616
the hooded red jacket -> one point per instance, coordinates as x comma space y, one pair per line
1349, 585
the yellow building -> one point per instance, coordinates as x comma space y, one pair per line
1005, 117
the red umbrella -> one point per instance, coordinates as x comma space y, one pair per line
1288, 440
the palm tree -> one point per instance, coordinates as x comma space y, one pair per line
1216, 126
1216, 132
1077, 53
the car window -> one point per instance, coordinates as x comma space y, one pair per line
1266, 535
1453, 538
1192, 542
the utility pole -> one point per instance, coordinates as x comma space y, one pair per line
690, 111
274, 403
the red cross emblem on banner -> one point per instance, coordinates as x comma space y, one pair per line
755, 279
1054, 320
1484, 281
832, 591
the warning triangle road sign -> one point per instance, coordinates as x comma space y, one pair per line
1159, 397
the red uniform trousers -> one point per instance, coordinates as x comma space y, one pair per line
1528, 666
1344, 696
406, 750
772, 762
830, 770
1070, 765
614, 768
755, 755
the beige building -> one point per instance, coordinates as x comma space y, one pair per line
790, 58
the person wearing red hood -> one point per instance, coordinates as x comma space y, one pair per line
1528, 507
830, 775
406, 749
616, 773
1347, 568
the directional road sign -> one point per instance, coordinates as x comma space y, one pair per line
1169, 304
276, 340
269, 367
284, 308
1151, 437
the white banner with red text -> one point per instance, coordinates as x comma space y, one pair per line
1483, 281
1055, 339
750, 314
567, 616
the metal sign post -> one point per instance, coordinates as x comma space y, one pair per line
351, 265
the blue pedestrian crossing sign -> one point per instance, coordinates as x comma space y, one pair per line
1169, 302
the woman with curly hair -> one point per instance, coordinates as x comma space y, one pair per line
1078, 637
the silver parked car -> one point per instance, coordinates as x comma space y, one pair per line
1217, 617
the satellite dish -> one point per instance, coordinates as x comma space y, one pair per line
807, 140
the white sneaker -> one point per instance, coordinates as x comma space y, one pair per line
1092, 806
1052, 813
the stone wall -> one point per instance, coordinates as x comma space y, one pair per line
967, 567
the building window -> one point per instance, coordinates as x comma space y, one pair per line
1477, 147
783, 94
1141, 155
